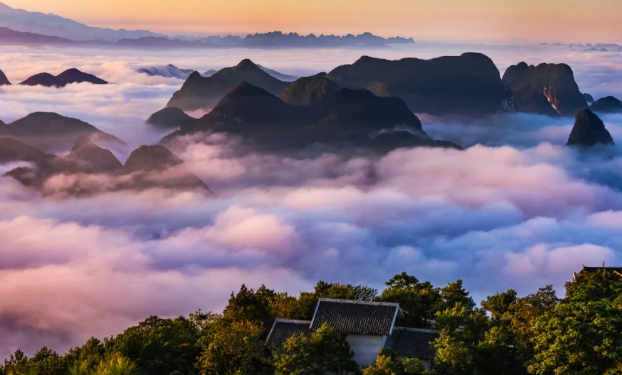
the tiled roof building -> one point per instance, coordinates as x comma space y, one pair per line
370, 327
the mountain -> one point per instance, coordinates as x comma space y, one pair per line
10, 37
588, 98
157, 167
168, 118
548, 89
467, 85
312, 110
169, 71
294, 40
4, 81
87, 157
53, 132
148, 167
12, 150
175, 72
607, 104
279, 75
65, 78
205, 92
56, 26
589, 130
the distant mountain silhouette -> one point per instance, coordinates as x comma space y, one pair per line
467, 85
53, 132
10, 37
65, 78
548, 89
588, 98
589, 130
168, 71
313, 110
175, 72
56, 26
279, 39
205, 92
607, 104
4, 81
168, 118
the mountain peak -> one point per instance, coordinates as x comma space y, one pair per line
247, 64
81, 141
589, 130
309, 90
148, 158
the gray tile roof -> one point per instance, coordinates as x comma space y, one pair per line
356, 317
282, 329
412, 342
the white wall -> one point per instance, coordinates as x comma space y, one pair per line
427, 364
365, 347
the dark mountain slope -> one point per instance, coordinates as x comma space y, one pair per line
607, 104
468, 85
205, 92
65, 78
548, 89
168, 118
323, 113
52, 132
4, 81
589, 130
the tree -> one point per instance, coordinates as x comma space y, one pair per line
44, 362
418, 301
579, 338
388, 365
453, 356
116, 364
453, 294
160, 346
229, 349
595, 286
499, 304
324, 351
251, 306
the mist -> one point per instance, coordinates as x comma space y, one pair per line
515, 209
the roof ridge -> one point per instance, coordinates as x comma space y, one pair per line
292, 321
422, 330
376, 303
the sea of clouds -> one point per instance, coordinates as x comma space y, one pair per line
516, 209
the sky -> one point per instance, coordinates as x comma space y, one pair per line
572, 21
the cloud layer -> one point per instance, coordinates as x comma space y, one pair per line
516, 209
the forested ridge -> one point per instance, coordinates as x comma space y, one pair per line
540, 333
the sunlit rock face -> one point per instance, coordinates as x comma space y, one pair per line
589, 130
547, 89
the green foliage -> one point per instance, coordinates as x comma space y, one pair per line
228, 349
324, 351
499, 304
595, 286
116, 364
387, 365
251, 306
538, 334
160, 346
579, 338
44, 362
418, 301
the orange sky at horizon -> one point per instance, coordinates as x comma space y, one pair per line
579, 21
